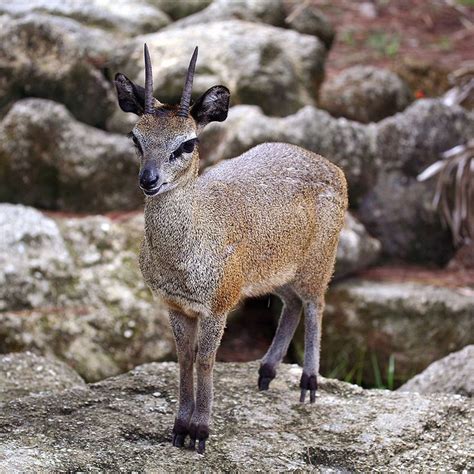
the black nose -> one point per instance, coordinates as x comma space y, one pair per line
148, 178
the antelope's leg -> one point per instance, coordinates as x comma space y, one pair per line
184, 331
289, 319
312, 343
211, 329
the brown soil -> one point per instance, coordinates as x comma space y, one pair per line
391, 33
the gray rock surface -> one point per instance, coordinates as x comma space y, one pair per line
34, 261
124, 423
365, 94
57, 58
50, 160
71, 288
25, 373
308, 20
130, 17
276, 68
416, 323
357, 249
179, 9
451, 374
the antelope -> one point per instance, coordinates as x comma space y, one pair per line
265, 222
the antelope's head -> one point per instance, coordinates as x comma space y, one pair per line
166, 136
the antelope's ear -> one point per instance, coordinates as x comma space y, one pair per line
131, 97
212, 106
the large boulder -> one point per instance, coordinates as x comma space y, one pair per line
398, 209
452, 374
35, 264
365, 94
278, 69
123, 16
124, 424
24, 373
368, 322
308, 20
356, 250
57, 58
49, 160
177, 10
71, 288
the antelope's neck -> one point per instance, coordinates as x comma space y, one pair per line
169, 218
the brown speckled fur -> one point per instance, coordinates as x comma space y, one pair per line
265, 222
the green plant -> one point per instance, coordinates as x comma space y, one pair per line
454, 194
383, 43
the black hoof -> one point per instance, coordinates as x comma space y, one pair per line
308, 382
180, 431
266, 373
198, 433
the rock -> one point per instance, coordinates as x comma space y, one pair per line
177, 10
424, 78
308, 20
24, 373
123, 16
311, 21
348, 144
357, 249
365, 94
452, 374
398, 210
58, 58
98, 315
367, 321
125, 423
261, 64
49, 160
35, 265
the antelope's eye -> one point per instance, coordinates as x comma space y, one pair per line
188, 146
136, 143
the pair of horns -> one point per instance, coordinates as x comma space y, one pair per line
183, 108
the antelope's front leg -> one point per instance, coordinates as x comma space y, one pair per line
211, 329
184, 330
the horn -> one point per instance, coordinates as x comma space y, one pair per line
148, 83
183, 108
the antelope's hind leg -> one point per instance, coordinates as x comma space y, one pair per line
289, 319
313, 313
184, 331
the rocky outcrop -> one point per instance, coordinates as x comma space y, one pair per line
71, 288
368, 321
50, 160
177, 10
365, 94
123, 16
125, 422
308, 20
452, 374
58, 58
25, 373
278, 69
357, 249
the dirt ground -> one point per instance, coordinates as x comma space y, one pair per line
435, 37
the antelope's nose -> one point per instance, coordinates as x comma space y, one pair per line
148, 179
